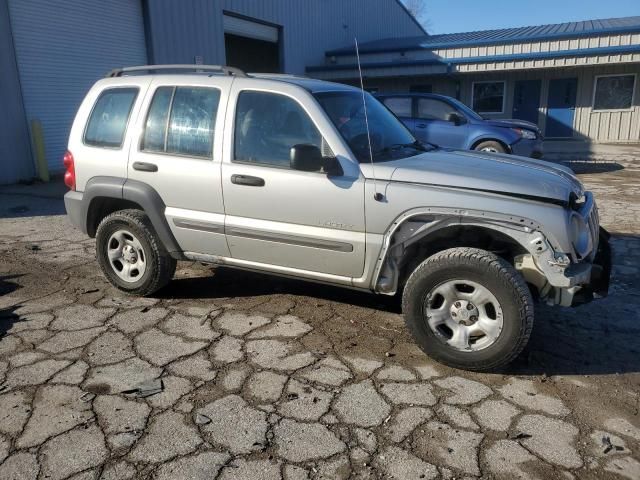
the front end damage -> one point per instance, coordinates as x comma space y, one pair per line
570, 285
557, 279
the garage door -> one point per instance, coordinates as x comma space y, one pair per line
62, 48
251, 46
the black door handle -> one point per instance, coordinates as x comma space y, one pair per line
247, 180
145, 167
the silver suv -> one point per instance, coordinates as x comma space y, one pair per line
278, 174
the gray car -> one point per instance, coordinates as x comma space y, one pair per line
279, 174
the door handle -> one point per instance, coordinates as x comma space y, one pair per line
247, 180
145, 167
421, 125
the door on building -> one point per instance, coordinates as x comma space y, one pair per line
252, 46
561, 107
526, 100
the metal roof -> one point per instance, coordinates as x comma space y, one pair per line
500, 36
449, 62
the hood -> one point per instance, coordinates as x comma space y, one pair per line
514, 124
504, 174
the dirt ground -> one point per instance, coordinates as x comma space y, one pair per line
237, 375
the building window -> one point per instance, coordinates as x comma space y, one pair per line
401, 106
488, 97
181, 120
109, 117
614, 92
267, 126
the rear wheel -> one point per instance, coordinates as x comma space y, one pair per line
131, 255
491, 147
469, 309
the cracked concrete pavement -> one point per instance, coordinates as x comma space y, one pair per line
250, 376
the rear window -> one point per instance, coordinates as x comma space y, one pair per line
401, 106
181, 120
108, 121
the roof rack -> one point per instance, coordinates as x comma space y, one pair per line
119, 72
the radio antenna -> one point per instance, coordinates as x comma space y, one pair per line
377, 196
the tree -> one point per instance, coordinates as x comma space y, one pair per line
418, 9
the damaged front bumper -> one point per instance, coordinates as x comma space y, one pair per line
598, 286
570, 285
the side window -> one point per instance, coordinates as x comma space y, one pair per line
432, 109
181, 120
267, 125
109, 118
401, 106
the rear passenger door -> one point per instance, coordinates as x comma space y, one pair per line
178, 152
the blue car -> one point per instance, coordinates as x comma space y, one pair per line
449, 123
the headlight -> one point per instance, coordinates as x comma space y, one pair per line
527, 134
580, 235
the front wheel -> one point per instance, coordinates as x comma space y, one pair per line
131, 255
468, 309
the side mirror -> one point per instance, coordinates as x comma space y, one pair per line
456, 119
308, 158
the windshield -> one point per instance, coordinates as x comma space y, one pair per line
390, 139
466, 109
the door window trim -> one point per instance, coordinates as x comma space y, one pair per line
261, 164
175, 87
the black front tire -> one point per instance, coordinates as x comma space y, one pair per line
493, 273
160, 266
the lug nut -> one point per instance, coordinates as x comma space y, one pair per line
454, 314
469, 306
473, 318
457, 304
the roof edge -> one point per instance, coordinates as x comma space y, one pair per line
620, 49
415, 20
343, 52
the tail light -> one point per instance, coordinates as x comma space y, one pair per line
70, 173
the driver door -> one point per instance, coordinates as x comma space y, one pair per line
302, 222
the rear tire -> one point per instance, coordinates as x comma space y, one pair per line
481, 287
131, 255
490, 147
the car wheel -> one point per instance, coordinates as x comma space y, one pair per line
131, 255
468, 309
490, 147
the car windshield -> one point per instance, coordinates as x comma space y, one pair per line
390, 139
466, 109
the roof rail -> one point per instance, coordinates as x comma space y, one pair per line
119, 72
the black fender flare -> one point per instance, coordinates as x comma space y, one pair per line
137, 192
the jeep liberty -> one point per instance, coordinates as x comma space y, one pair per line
275, 173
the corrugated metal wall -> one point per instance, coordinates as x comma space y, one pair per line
62, 47
15, 154
180, 31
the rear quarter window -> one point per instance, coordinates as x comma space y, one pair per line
108, 121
